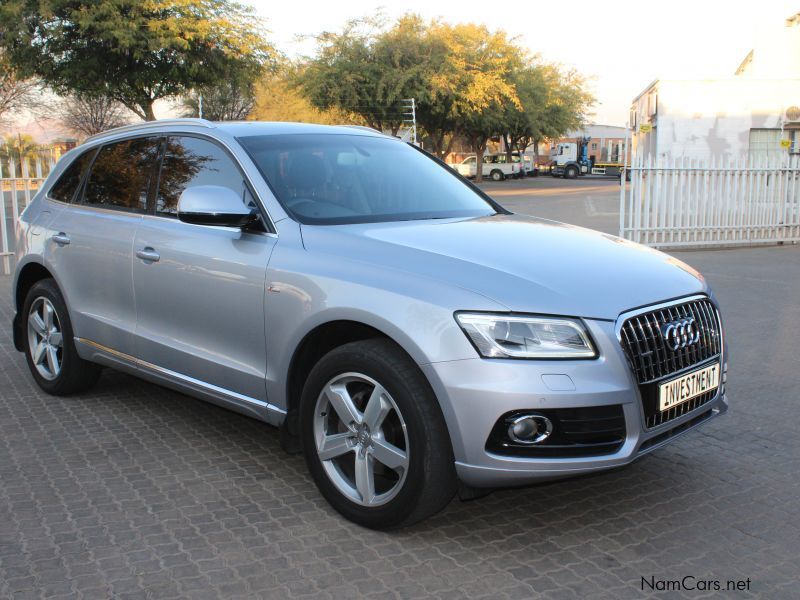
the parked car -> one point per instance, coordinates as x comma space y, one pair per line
494, 167
408, 334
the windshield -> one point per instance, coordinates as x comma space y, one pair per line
335, 179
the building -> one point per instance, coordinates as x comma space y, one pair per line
752, 115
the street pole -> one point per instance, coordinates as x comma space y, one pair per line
412, 118
200, 105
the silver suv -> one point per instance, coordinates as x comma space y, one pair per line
409, 335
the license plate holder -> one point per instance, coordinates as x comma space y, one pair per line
686, 387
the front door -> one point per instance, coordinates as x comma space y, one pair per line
200, 290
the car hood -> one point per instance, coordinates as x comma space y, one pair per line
524, 263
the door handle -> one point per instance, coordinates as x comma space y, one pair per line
148, 255
61, 238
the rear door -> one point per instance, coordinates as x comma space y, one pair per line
91, 242
200, 289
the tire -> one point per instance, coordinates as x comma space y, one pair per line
421, 479
497, 175
49, 343
570, 172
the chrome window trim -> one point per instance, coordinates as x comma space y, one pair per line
151, 125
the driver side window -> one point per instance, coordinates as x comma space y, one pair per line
189, 162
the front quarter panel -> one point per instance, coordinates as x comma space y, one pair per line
308, 289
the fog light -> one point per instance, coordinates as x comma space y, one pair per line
530, 429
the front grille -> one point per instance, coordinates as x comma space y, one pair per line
653, 361
585, 431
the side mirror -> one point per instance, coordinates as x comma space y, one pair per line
214, 205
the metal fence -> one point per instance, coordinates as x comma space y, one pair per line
683, 202
19, 181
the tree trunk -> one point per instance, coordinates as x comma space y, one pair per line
449, 145
437, 144
479, 144
509, 144
147, 108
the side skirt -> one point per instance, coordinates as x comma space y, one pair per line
252, 407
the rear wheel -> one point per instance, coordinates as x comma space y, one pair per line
497, 175
49, 345
374, 437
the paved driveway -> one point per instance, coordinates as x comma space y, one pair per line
135, 491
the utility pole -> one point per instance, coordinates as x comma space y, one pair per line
411, 117
200, 105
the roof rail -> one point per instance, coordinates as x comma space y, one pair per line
363, 128
149, 124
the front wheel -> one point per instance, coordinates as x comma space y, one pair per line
374, 437
571, 172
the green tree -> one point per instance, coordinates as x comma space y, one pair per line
551, 102
367, 70
451, 71
475, 82
132, 51
18, 149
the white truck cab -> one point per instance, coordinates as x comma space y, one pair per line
566, 161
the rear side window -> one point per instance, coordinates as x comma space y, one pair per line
121, 175
189, 162
66, 186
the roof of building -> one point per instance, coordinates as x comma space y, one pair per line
597, 130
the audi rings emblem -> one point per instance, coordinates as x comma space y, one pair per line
681, 333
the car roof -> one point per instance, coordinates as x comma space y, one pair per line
237, 128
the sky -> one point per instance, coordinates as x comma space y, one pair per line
622, 45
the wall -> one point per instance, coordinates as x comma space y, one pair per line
707, 119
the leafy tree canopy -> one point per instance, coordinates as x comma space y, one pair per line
467, 81
278, 97
132, 51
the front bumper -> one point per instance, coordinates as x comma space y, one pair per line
475, 393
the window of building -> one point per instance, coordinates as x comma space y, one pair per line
765, 144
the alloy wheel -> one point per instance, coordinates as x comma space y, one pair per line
45, 338
361, 439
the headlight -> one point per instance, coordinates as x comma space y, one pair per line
504, 336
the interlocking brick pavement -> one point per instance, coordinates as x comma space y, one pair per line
136, 491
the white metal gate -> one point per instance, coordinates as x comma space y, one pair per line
682, 202
19, 182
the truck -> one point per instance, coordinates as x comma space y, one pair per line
495, 167
570, 159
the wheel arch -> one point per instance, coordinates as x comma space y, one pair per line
317, 342
27, 276
320, 340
